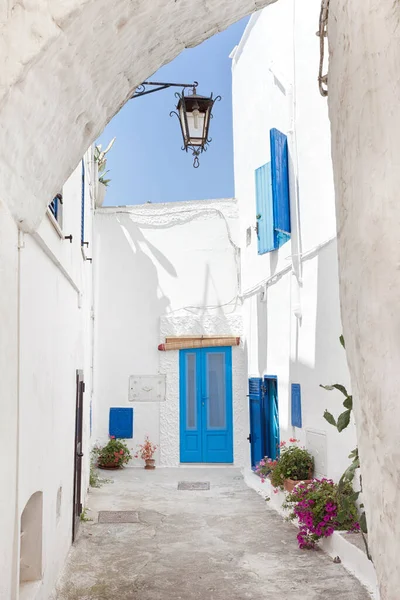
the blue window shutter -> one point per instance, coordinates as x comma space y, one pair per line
296, 405
264, 208
121, 422
256, 436
53, 206
280, 186
272, 415
83, 205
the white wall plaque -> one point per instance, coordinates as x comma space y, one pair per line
316, 445
147, 388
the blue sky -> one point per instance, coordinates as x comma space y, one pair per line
146, 162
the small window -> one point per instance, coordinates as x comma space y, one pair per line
272, 196
296, 405
56, 208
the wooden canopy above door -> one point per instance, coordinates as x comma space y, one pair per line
198, 341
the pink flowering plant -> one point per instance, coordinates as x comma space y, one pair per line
294, 463
146, 450
114, 453
265, 467
320, 508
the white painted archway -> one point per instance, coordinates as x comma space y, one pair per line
72, 64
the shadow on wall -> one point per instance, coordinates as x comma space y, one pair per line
328, 365
130, 304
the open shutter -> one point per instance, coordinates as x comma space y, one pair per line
280, 186
256, 445
264, 208
272, 415
296, 405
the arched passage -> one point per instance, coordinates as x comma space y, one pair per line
70, 67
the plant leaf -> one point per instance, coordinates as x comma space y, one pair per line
330, 418
348, 403
341, 340
363, 523
343, 420
336, 386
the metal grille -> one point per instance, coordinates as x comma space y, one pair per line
118, 516
194, 485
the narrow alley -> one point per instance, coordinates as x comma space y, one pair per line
217, 543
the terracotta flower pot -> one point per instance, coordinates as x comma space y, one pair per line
150, 463
109, 466
289, 484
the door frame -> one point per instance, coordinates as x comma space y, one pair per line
201, 402
78, 454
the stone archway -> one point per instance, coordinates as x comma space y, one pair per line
72, 64
70, 67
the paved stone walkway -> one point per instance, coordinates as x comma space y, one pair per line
221, 544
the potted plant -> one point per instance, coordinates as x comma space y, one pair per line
101, 162
146, 452
294, 464
114, 455
321, 507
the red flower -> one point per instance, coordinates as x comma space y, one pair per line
293, 440
112, 437
121, 451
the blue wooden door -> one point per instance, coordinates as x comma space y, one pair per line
255, 437
206, 424
271, 415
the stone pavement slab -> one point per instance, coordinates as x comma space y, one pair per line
218, 544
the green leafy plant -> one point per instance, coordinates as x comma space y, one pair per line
341, 423
95, 481
101, 160
114, 453
84, 516
321, 507
294, 463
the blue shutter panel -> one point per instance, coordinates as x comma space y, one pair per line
272, 415
296, 405
280, 186
121, 422
264, 208
256, 444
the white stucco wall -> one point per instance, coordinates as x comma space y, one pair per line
364, 90
8, 401
39, 358
162, 269
277, 59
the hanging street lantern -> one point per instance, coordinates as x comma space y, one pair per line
193, 111
194, 114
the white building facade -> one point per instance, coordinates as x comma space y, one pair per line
170, 271
289, 272
45, 481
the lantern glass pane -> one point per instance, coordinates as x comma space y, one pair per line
196, 128
183, 123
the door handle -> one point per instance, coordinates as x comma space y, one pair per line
249, 438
